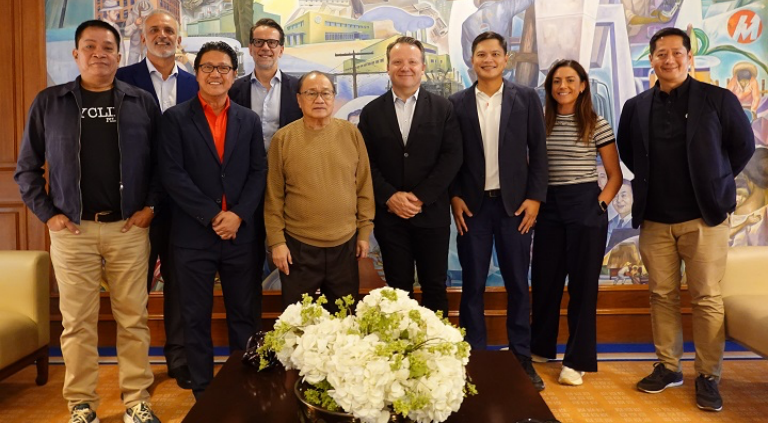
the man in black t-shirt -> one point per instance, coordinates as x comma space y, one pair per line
97, 136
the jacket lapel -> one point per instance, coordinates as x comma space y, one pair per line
286, 91
390, 117
470, 105
507, 102
201, 123
143, 80
694, 109
233, 133
419, 114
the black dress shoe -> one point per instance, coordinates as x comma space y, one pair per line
182, 376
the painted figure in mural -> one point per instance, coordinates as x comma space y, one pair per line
242, 13
133, 29
743, 83
271, 93
497, 193
319, 206
112, 13
98, 208
749, 223
685, 141
620, 225
158, 75
414, 145
640, 13
491, 15
213, 165
571, 229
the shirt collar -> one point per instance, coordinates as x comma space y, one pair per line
207, 107
415, 96
498, 92
277, 78
153, 69
676, 93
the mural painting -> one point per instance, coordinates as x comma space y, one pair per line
347, 39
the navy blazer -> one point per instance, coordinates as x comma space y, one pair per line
240, 93
196, 179
426, 165
137, 75
523, 169
719, 143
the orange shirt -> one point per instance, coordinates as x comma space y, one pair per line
218, 126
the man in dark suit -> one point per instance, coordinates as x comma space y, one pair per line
169, 85
214, 168
497, 193
271, 93
414, 146
685, 141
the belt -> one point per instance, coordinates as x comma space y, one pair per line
493, 193
105, 216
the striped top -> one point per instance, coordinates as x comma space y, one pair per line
570, 160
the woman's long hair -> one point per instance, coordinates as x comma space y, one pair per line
586, 118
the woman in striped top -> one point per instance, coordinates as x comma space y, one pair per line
572, 225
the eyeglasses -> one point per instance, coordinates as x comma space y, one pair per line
207, 68
312, 95
258, 42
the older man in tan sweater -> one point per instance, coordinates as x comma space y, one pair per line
319, 204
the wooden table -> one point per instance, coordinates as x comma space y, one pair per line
239, 393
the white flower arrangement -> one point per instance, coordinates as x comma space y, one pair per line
392, 355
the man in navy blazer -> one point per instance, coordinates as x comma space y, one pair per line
497, 193
213, 166
685, 141
271, 93
159, 75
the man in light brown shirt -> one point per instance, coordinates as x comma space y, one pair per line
319, 204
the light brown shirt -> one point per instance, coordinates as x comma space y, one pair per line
319, 188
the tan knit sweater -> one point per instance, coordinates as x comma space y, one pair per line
319, 188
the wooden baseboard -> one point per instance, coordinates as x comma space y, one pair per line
623, 316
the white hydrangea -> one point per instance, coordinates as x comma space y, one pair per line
365, 383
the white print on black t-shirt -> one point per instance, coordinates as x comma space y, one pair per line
107, 113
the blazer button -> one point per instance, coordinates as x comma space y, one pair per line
405, 155
218, 201
222, 175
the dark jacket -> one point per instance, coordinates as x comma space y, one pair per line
137, 75
240, 93
52, 134
426, 165
719, 142
523, 169
196, 179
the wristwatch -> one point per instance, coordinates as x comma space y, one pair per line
603, 205
152, 209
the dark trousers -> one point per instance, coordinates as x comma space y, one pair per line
401, 245
332, 270
570, 240
160, 246
491, 224
197, 269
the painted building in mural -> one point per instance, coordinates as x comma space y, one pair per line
348, 39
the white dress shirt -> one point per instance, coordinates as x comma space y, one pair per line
165, 89
489, 115
404, 111
265, 101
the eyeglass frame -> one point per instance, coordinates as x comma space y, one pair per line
312, 95
268, 41
217, 68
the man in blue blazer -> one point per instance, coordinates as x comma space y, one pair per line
213, 166
159, 75
497, 193
271, 93
685, 141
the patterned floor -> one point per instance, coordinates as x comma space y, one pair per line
608, 396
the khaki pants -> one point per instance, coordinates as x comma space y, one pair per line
77, 263
704, 250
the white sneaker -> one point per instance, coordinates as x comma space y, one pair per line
568, 376
538, 359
